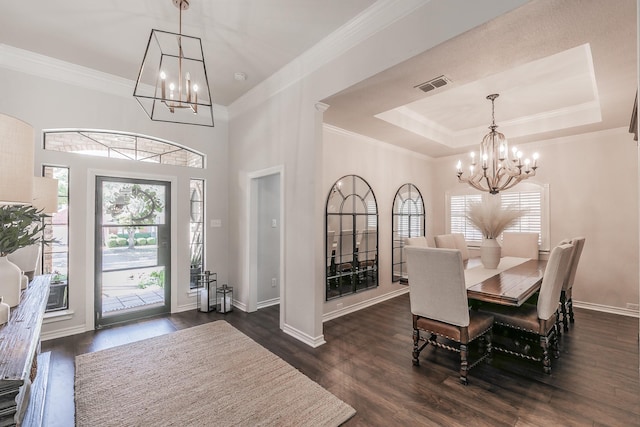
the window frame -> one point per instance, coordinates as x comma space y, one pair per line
524, 187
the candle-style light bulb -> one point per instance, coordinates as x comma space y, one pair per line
473, 157
195, 99
519, 157
484, 160
535, 159
171, 89
459, 166
163, 78
502, 152
526, 165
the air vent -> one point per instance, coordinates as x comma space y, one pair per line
433, 84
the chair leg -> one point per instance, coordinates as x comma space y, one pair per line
570, 304
563, 307
464, 364
416, 347
488, 337
546, 361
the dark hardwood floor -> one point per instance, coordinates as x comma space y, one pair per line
367, 363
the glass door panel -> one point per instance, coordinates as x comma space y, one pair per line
132, 249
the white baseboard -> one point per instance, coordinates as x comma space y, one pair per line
364, 304
268, 303
61, 333
301, 336
607, 309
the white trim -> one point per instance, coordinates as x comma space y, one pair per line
57, 316
607, 309
268, 303
35, 64
250, 268
61, 333
301, 336
364, 304
378, 16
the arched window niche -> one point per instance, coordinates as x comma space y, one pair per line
408, 221
351, 237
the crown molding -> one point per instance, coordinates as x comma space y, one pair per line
35, 64
372, 20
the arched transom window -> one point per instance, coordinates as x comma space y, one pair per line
118, 145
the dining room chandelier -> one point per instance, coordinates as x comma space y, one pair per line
172, 84
499, 168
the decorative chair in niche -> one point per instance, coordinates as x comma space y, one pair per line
541, 319
522, 245
566, 300
440, 307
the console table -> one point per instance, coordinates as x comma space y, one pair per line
19, 346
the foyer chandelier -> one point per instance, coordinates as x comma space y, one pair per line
499, 168
172, 84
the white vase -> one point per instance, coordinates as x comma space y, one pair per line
10, 282
4, 312
490, 252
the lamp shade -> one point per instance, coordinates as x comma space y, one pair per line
45, 194
16, 160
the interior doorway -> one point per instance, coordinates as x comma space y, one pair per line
133, 252
266, 231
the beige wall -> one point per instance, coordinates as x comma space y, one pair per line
593, 192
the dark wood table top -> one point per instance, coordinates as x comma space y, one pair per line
509, 287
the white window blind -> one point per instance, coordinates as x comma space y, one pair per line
410, 219
531, 202
458, 206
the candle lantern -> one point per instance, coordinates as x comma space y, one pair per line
207, 284
224, 297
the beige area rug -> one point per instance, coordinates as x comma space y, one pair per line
208, 375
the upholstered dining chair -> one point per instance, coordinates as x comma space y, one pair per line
445, 241
461, 245
566, 300
344, 257
540, 319
523, 245
416, 241
440, 308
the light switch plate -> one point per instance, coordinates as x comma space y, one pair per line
216, 223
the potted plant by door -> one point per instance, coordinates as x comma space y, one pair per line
20, 226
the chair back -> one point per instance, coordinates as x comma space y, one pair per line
523, 245
552, 281
416, 241
578, 245
367, 246
436, 285
330, 238
344, 247
446, 241
461, 245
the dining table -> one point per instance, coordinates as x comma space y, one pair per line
512, 283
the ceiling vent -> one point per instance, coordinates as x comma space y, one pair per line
433, 84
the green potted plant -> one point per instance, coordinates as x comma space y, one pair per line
20, 226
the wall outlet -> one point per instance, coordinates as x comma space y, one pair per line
339, 305
632, 306
274, 223
274, 282
216, 223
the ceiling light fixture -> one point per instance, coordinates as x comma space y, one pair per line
172, 84
499, 168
